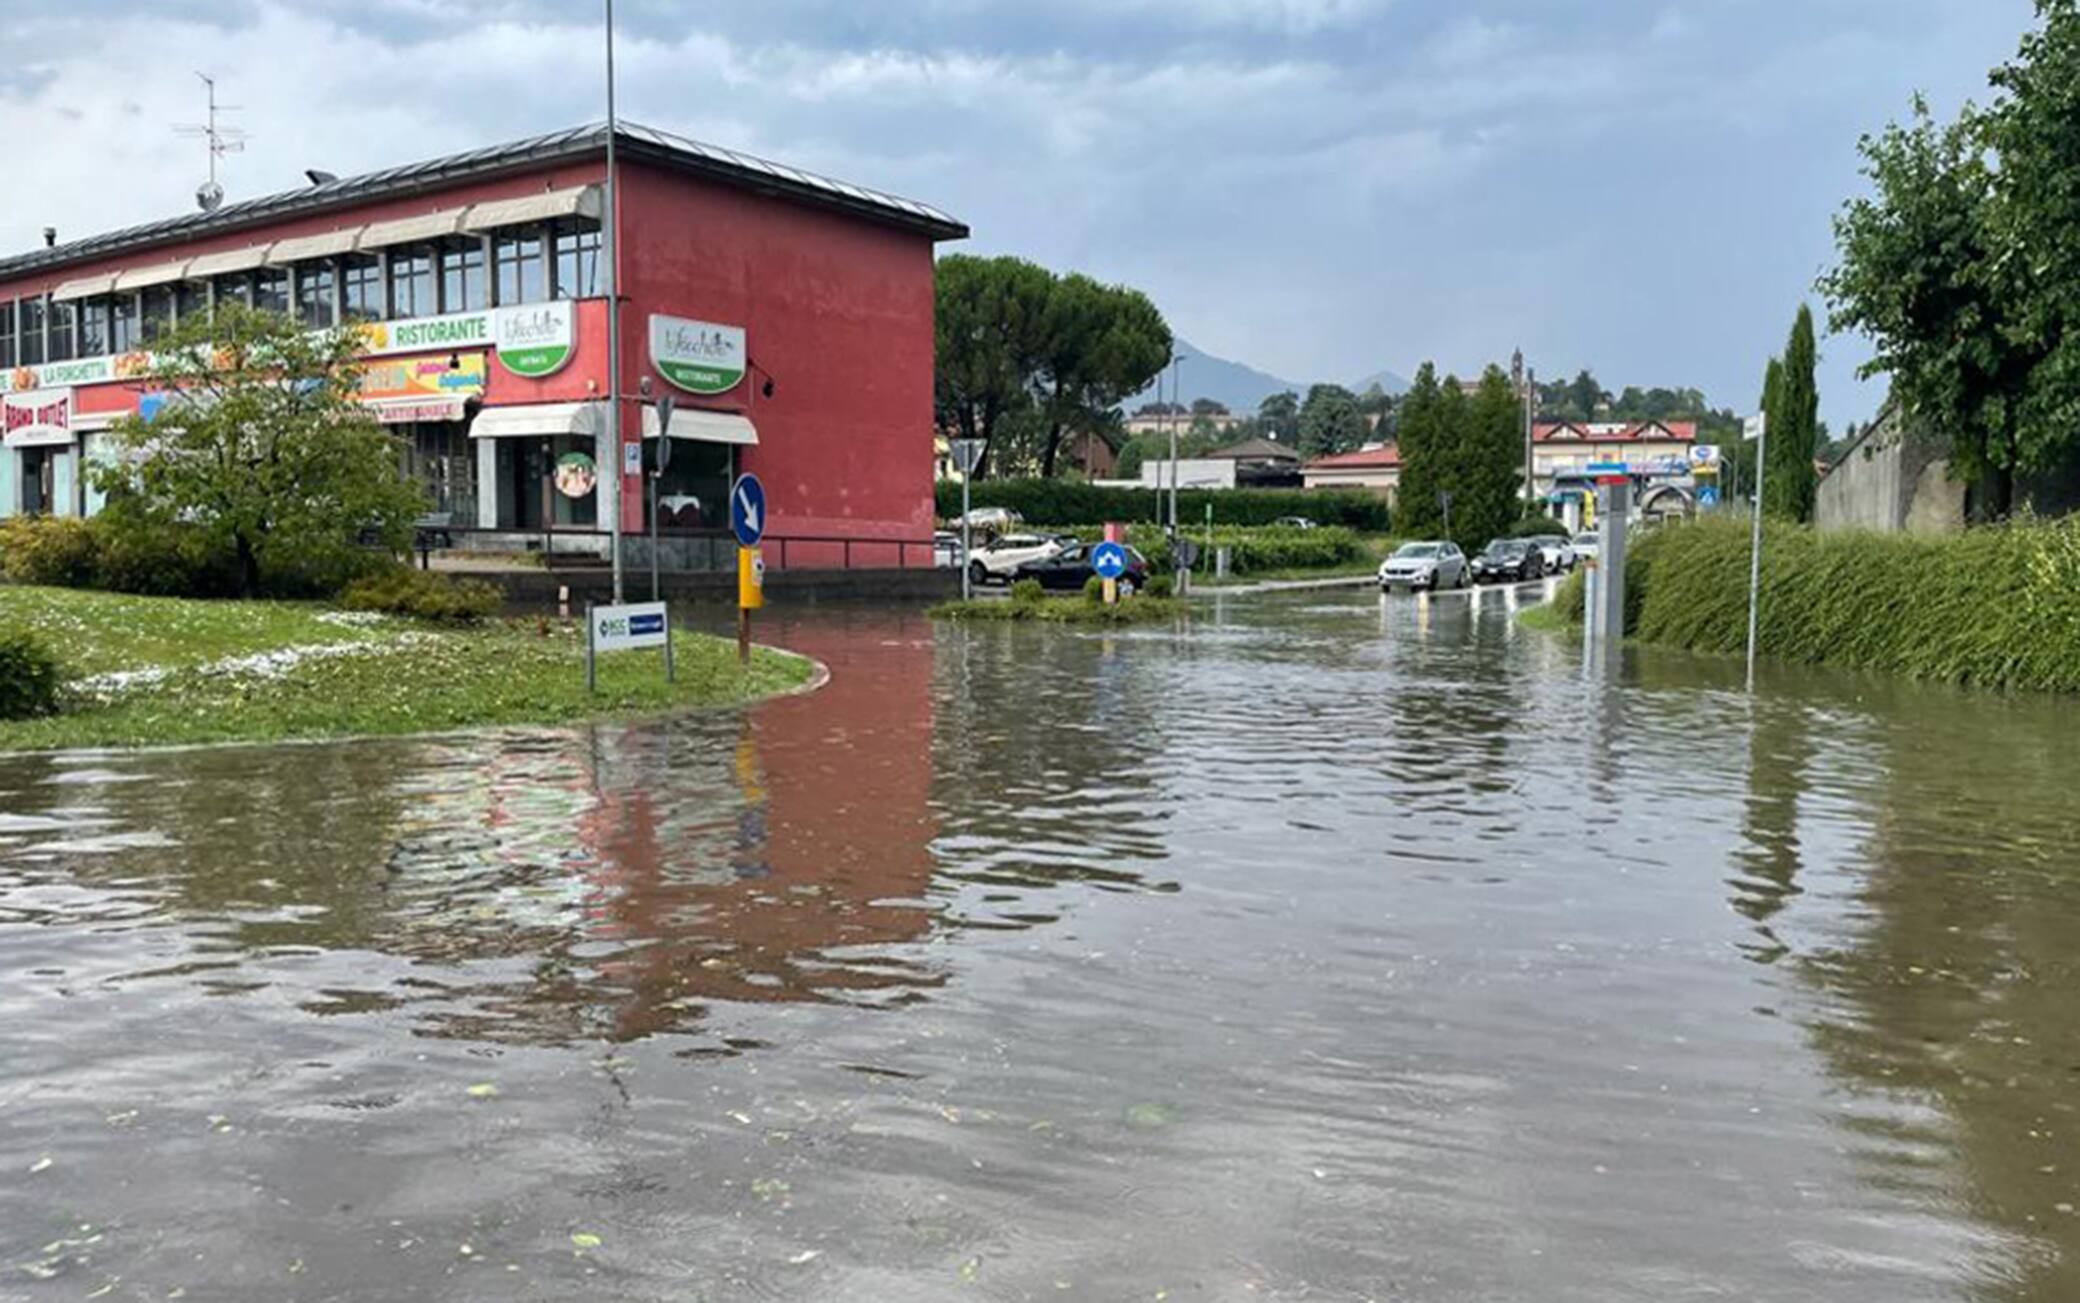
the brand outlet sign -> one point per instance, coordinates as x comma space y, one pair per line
536, 339
701, 357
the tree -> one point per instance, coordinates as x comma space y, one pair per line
1101, 344
990, 315
1208, 407
1280, 414
1420, 443
1584, 396
1770, 497
1330, 421
1488, 480
1794, 431
265, 447
1960, 266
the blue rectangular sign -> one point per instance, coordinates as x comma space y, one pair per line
639, 625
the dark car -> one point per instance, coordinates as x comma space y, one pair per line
1510, 561
1070, 569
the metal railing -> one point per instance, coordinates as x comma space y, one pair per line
782, 552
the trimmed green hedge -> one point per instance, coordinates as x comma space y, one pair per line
1993, 607
1067, 502
1251, 551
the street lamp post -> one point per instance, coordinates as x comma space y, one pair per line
1176, 400
613, 276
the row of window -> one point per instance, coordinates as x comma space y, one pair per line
462, 274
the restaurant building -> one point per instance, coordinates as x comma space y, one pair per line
789, 315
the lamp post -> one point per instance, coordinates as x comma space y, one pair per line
613, 287
1176, 401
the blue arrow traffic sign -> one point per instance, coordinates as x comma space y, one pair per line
1109, 560
747, 510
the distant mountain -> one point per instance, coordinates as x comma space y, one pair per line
1241, 387
1238, 387
1392, 382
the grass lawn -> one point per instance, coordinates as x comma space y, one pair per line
149, 671
1064, 610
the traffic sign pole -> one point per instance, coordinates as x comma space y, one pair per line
747, 520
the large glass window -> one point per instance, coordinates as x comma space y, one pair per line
92, 327
271, 289
31, 346
6, 333
122, 323
577, 260
463, 283
158, 312
190, 300
522, 267
316, 284
361, 283
61, 333
235, 288
411, 283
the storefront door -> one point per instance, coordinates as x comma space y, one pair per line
37, 481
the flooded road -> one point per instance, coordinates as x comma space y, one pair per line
1337, 948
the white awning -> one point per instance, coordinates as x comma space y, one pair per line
705, 427
84, 287
231, 260
95, 422
536, 420
42, 436
328, 244
578, 201
412, 230
159, 273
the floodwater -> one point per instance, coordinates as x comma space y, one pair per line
1337, 948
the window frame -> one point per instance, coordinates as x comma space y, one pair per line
460, 251
576, 230
25, 333
375, 280
6, 332
325, 302
515, 238
398, 264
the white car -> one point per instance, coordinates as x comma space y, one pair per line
1560, 552
1431, 565
999, 559
1586, 546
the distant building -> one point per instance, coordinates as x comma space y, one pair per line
1153, 419
1377, 470
1261, 463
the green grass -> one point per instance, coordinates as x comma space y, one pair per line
375, 677
1064, 610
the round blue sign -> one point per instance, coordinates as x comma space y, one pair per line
1109, 560
747, 510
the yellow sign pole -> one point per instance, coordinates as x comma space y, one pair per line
751, 595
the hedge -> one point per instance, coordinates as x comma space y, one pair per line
1992, 607
1067, 502
30, 677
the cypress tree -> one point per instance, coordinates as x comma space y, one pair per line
1799, 403
1415, 505
1772, 418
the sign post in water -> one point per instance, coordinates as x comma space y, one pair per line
747, 520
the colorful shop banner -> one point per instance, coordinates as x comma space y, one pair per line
536, 339
42, 416
701, 357
426, 334
85, 371
424, 377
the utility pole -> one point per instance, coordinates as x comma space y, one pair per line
1176, 401
1525, 384
613, 273
1760, 426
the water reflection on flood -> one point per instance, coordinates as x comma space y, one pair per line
1336, 947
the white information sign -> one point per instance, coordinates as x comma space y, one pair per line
625, 628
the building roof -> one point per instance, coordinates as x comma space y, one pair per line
1385, 457
646, 144
1614, 431
1253, 450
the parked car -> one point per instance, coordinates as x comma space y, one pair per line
1559, 552
1431, 565
999, 559
989, 520
1587, 546
946, 549
1070, 569
1510, 560
1294, 522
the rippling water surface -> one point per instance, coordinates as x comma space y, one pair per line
1337, 948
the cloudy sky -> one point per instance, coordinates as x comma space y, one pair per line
1318, 187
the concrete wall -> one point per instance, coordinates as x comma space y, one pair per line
1892, 479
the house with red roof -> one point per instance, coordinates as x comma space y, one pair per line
1377, 469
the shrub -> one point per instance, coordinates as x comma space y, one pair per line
1066, 502
1538, 527
1094, 589
423, 595
1160, 586
29, 676
159, 560
58, 551
1028, 592
1252, 550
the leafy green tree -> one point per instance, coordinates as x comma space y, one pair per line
1584, 396
1101, 344
1794, 431
1488, 479
1423, 453
1280, 414
990, 332
265, 447
1330, 421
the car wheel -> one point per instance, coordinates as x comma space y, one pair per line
978, 574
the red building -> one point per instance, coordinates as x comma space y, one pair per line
788, 314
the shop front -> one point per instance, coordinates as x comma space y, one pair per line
39, 460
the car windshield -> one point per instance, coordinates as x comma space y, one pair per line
1416, 551
1590, 539
1501, 547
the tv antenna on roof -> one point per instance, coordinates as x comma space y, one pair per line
222, 140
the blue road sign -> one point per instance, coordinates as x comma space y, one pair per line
1707, 495
1109, 560
747, 510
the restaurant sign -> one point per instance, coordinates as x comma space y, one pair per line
700, 357
536, 339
